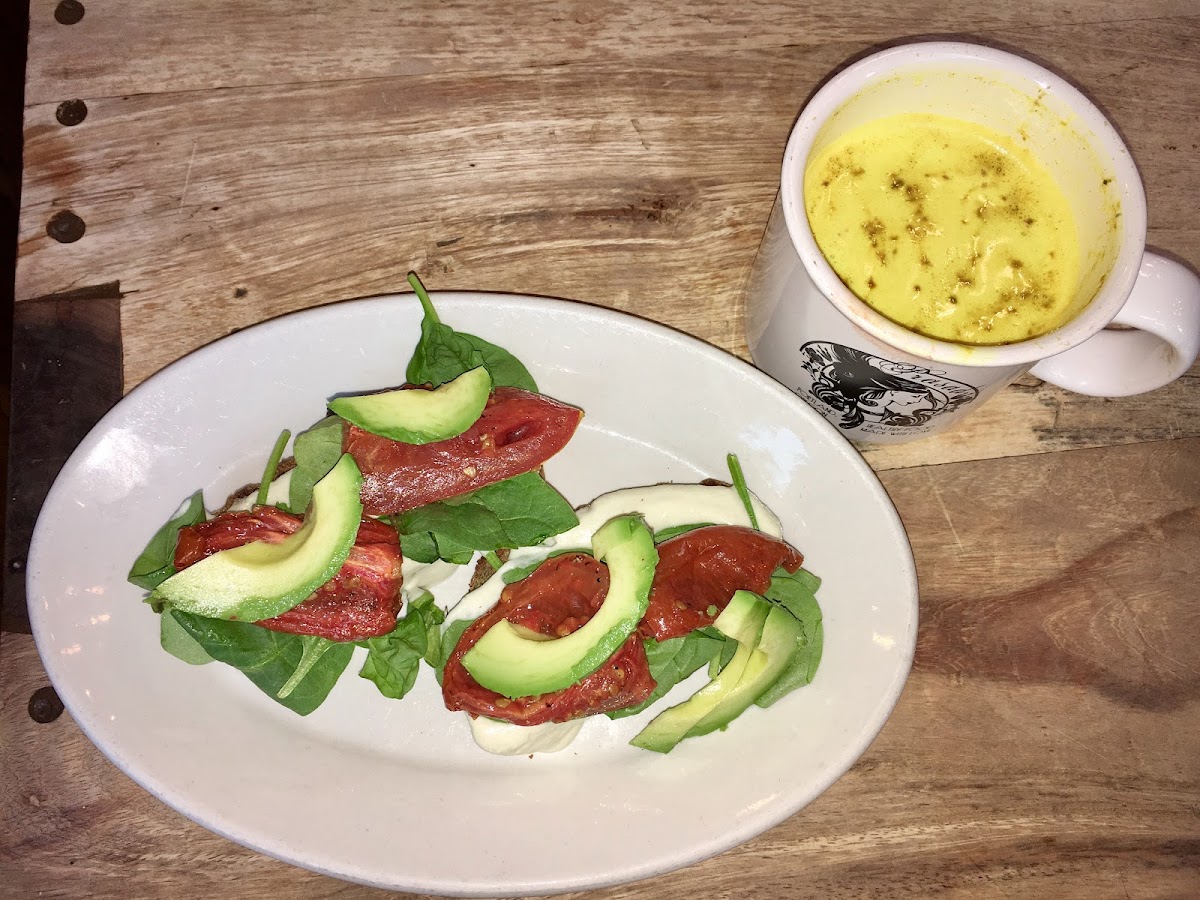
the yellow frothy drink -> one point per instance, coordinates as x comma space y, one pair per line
946, 227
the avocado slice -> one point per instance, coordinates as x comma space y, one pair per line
766, 636
744, 617
420, 417
260, 580
516, 662
780, 633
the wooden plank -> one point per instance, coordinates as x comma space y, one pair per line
643, 189
1044, 745
217, 209
296, 154
542, 170
233, 44
1031, 416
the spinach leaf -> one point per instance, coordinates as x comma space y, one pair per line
450, 638
506, 370
313, 648
271, 658
442, 354
179, 642
425, 547
157, 562
394, 658
452, 551
797, 594
520, 573
433, 617
316, 451
666, 534
673, 660
419, 547
517, 512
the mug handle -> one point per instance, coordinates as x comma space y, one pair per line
1163, 313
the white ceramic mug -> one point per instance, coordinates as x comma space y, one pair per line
881, 382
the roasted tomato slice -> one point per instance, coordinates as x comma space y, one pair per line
517, 432
557, 599
361, 601
702, 569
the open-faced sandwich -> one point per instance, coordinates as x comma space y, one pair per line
580, 614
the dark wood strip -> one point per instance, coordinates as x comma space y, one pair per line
66, 374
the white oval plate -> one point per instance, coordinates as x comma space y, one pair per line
396, 794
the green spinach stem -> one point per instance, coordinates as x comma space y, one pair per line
423, 296
264, 486
739, 484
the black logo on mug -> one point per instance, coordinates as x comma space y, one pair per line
870, 390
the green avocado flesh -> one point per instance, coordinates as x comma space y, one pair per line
743, 617
260, 580
775, 647
420, 417
766, 636
518, 663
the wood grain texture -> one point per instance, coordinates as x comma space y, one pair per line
1043, 747
663, 175
633, 173
306, 194
133, 48
243, 160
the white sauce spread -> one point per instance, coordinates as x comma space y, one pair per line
506, 739
276, 493
418, 576
662, 506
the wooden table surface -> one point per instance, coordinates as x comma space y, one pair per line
242, 160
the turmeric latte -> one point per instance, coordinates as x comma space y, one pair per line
946, 227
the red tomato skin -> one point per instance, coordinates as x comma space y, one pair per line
702, 569
557, 599
517, 432
361, 601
